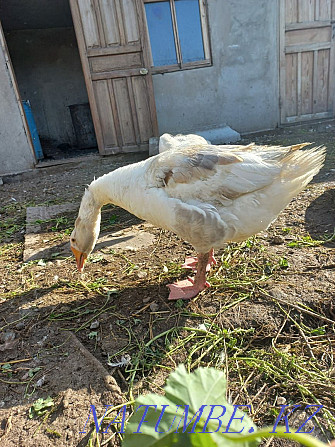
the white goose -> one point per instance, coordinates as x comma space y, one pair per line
207, 195
169, 142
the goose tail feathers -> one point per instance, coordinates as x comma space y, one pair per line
300, 166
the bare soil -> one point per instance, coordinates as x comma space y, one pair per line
57, 328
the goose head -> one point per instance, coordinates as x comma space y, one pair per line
86, 231
82, 240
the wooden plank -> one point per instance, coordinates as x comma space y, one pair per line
120, 21
299, 84
324, 10
115, 74
282, 63
306, 10
138, 148
308, 36
291, 11
123, 105
175, 33
133, 48
146, 63
302, 118
317, 10
205, 29
307, 82
142, 106
175, 67
115, 114
100, 25
308, 25
106, 115
333, 9
88, 22
291, 86
130, 21
315, 77
127, 149
135, 111
110, 22
307, 47
322, 91
115, 62
331, 102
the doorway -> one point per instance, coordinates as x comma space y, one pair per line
44, 53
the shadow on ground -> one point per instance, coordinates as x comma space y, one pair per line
320, 216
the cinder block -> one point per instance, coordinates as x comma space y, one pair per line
153, 146
220, 135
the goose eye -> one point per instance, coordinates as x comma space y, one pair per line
73, 240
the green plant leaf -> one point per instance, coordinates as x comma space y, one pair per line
177, 419
33, 371
283, 263
40, 407
6, 367
92, 334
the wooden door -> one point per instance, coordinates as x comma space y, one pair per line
307, 60
113, 49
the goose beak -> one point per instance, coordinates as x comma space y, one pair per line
80, 258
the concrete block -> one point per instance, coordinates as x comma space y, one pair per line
41, 245
170, 142
130, 239
220, 135
153, 146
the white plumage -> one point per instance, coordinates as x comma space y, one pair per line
169, 142
206, 194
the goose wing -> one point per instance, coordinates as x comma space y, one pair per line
212, 173
209, 192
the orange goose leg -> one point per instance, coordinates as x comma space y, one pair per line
189, 288
192, 261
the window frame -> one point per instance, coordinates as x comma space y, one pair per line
207, 62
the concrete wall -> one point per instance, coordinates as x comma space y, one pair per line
15, 152
49, 74
241, 88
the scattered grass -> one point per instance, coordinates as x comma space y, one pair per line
108, 222
11, 250
262, 362
11, 221
308, 241
59, 224
8, 227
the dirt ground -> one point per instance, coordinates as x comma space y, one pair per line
271, 308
